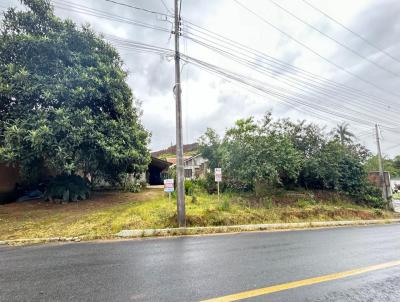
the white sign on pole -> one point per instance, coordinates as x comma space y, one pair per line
218, 174
169, 185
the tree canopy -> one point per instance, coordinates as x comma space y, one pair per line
289, 154
65, 105
343, 134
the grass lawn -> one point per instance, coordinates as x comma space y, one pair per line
107, 213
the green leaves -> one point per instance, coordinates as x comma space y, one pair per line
64, 104
250, 154
271, 153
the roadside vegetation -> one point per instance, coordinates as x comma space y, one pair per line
107, 213
262, 156
66, 109
69, 120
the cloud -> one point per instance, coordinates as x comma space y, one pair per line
209, 101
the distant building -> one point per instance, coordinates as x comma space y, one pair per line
195, 166
157, 171
172, 160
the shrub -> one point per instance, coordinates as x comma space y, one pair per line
371, 196
132, 186
194, 199
189, 186
67, 188
208, 183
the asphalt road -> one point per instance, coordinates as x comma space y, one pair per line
198, 268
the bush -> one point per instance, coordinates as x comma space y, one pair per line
208, 183
132, 186
67, 188
372, 196
189, 186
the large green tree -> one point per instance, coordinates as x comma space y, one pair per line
64, 101
252, 155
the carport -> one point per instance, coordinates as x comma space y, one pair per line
157, 169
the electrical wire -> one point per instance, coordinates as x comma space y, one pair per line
335, 40
315, 52
351, 31
138, 8
280, 66
293, 82
78, 8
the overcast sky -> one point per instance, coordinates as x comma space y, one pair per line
211, 101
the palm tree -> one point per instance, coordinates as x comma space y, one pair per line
342, 133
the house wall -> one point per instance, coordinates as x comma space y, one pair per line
9, 177
195, 167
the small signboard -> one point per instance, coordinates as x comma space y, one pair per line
218, 174
169, 185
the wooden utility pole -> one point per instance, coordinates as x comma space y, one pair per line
180, 177
380, 162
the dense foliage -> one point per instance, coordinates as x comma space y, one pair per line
284, 153
390, 165
67, 188
65, 106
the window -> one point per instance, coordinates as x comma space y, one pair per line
188, 173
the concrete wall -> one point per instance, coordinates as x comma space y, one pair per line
375, 179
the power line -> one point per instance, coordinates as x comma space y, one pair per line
293, 83
288, 99
142, 47
65, 5
166, 7
277, 92
103, 15
293, 99
350, 30
281, 66
313, 51
335, 40
301, 82
138, 8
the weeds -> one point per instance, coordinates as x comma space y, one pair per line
267, 202
108, 213
225, 205
304, 203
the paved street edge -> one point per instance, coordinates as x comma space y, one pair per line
246, 228
207, 230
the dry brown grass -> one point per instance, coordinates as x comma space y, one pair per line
109, 212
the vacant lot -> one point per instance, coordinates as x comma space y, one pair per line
109, 212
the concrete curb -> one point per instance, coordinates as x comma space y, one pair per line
207, 230
246, 228
39, 240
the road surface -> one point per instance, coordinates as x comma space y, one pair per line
200, 268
